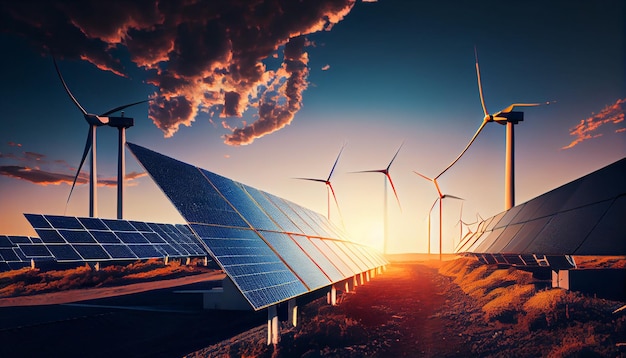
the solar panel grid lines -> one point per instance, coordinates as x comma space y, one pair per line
582, 217
274, 250
94, 239
291, 214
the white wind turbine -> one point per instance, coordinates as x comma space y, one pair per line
506, 117
462, 223
387, 178
440, 198
329, 186
94, 122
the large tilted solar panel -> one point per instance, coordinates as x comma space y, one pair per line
70, 239
271, 248
583, 217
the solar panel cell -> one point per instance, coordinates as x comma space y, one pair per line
91, 252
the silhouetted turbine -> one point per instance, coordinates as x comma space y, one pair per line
94, 121
387, 178
329, 186
440, 197
510, 118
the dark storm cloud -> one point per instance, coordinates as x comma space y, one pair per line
202, 55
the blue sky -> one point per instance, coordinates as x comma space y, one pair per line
384, 72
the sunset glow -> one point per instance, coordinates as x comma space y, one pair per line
274, 95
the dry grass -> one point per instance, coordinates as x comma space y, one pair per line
28, 281
548, 322
600, 261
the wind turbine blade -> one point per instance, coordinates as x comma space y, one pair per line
82, 161
453, 197
394, 157
311, 179
335, 197
122, 107
334, 165
423, 176
432, 206
370, 171
67, 89
464, 150
394, 190
511, 107
480, 84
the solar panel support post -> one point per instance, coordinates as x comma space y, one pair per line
292, 308
272, 325
331, 296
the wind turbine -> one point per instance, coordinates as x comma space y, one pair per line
460, 223
506, 117
329, 186
94, 122
387, 178
441, 196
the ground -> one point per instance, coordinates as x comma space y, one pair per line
457, 308
453, 309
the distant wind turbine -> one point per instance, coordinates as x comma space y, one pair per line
462, 223
506, 117
441, 196
329, 186
94, 122
387, 178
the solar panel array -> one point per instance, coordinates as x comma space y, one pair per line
18, 251
271, 248
77, 239
583, 217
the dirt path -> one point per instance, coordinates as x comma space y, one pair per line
78, 295
404, 306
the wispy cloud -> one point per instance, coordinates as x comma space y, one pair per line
37, 169
203, 56
590, 128
42, 177
325, 68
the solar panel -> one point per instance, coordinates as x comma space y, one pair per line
119, 251
272, 210
5, 242
93, 239
272, 249
296, 259
32, 251
583, 217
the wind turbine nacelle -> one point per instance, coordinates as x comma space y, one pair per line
121, 122
512, 117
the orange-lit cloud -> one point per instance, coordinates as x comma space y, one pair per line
203, 56
589, 128
42, 177
325, 68
36, 168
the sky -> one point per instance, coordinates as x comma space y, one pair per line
267, 91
